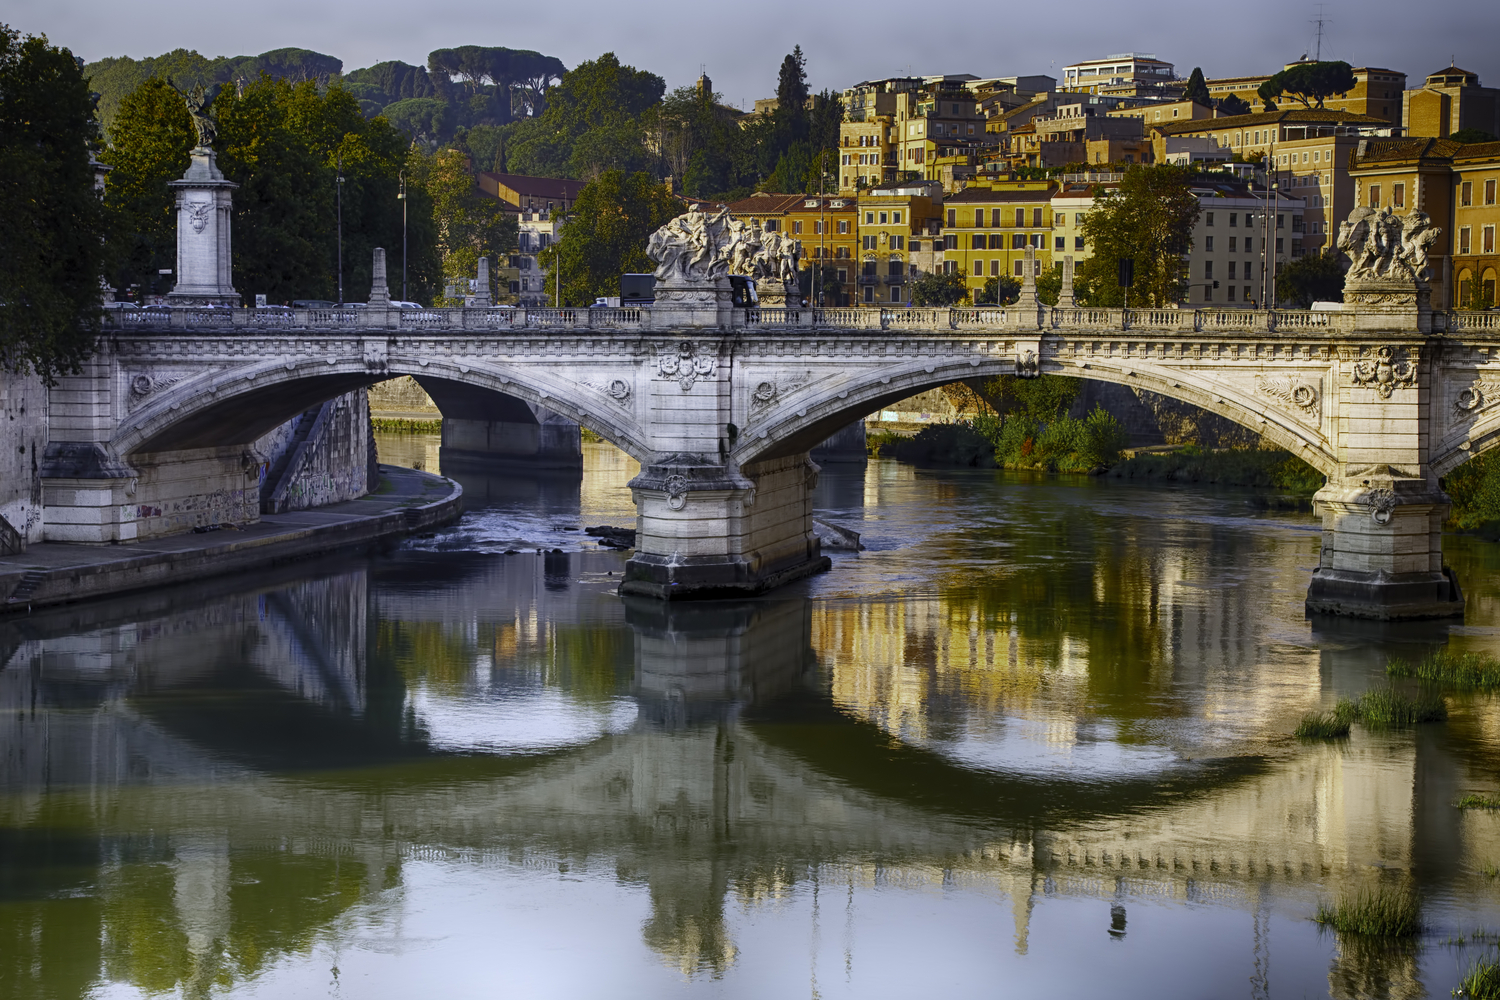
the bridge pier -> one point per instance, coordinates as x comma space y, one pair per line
718, 531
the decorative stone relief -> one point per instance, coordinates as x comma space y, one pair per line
376, 354
769, 391
1289, 390
1387, 255
1385, 372
198, 212
617, 389
698, 248
676, 492
142, 386
1026, 364
1484, 393
686, 365
1382, 504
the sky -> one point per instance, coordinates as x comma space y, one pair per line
742, 45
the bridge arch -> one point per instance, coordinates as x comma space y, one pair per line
239, 405
804, 419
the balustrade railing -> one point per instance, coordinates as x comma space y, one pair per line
1466, 320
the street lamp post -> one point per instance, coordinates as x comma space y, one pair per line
339, 168
402, 199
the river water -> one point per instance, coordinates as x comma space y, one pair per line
1033, 742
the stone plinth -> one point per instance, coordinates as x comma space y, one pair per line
709, 532
1382, 554
684, 303
204, 265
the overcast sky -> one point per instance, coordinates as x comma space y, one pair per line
743, 44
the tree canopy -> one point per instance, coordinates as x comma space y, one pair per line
1148, 219
1314, 277
469, 223
1197, 88
612, 219
591, 123
1234, 104
52, 223
939, 288
1310, 83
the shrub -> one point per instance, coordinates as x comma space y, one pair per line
944, 444
1228, 467
1381, 912
1461, 671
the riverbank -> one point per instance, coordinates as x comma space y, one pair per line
51, 573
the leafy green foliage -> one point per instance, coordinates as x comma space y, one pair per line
494, 84
1234, 104
1472, 135
1474, 488
1314, 277
1310, 83
1477, 802
1035, 399
1062, 444
606, 237
1380, 912
1002, 291
591, 122
1197, 88
149, 143
939, 288
376, 87
1150, 219
957, 444
1458, 671
52, 223
469, 224
426, 119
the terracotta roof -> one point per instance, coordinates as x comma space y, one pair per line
1478, 151
538, 187
978, 194
1299, 116
1395, 150
765, 203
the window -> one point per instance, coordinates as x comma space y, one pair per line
1489, 192
883, 218
1018, 241
1036, 217
1208, 244
1489, 240
771, 225
978, 268
843, 275
978, 218
1231, 273
895, 268
1060, 243
1039, 240
1078, 243
1234, 219
1208, 293
1208, 269
797, 227
977, 242
1248, 241
1374, 195
1209, 220
1020, 217
1463, 239
950, 241
843, 227
1466, 193
869, 218
1231, 288
1231, 244
896, 218
952, 216
997, 241
869, 293
895, 293
1018, 268
898, 242
916, 246
1279, 220
1278, 244
1060, 219
867, 243
994, 269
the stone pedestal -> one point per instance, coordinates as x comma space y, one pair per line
711, 531
682, 303
1382, 555
204, 263
779, 295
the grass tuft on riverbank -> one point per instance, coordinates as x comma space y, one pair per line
1459, 671
1379, 912
405, 425
1482, 982
1253, 467
1387, 708
1324, 725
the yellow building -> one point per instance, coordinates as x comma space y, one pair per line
897, 227
1449, 101
825, 228
913, 134
1476, 219
1377, 93
1413, 175
989, 225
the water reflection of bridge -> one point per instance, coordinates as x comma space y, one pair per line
118, 725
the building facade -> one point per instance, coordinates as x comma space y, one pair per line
1377, 93
1449, 101
898, 225
1476, 219
1117, 70
989, 225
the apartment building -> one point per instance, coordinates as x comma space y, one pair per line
1252, 136
825, 229
1476, 217
922, 131
1449, 101
1377, 93
989, 225
528, 282
1078, 133
897, 226
1116, 71
1172, 111
1242, 231
538, 195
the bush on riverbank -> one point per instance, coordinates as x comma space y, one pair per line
957, 444
1061, 444
1255, 467
1459, 671
403, 425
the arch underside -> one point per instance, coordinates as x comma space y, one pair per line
239, 406
800, 421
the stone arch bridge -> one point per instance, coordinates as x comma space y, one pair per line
720, 405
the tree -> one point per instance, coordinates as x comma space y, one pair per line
469, 223
1309, 82
939, 288
791, 85
1316, 277
1001, 291
149, 143
602, 95
1197, 88
606, 234
1234, 104
52, 222
1149, 219
425, 119
1472, 135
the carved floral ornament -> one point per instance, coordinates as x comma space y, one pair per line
1381, 504
1289, 390
1386, 371
676, 492
687, 366
1484, 393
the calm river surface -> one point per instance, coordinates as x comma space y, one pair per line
1033, 743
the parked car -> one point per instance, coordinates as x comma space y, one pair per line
313, 304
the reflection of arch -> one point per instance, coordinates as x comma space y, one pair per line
800, 423
239, 405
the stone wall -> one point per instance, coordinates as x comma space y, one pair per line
402, 398
23, 414
333, 463
178, 491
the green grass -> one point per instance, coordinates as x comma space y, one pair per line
1489, 870
403, 425
1387, 708
1323, 726
1381, 912
1459, 671
1482, 981
1478, 802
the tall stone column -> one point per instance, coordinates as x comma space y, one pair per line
204, 260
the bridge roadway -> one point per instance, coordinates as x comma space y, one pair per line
721, 405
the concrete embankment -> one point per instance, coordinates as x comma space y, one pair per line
51, 573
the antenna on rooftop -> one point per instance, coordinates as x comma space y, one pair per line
1320, 20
